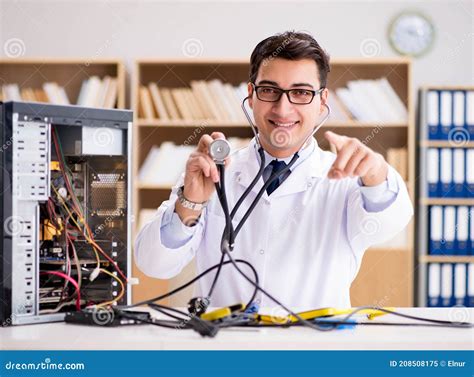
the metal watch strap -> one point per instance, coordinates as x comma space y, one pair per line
188, 204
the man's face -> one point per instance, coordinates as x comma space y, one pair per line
282, 125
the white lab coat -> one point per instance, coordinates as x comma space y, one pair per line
306, 240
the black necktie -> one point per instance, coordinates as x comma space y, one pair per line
277, 166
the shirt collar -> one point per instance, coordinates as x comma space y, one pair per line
303, 154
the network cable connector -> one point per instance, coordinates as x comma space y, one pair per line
65, 184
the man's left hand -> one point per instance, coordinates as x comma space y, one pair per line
354, 159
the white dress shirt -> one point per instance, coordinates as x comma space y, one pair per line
306, 240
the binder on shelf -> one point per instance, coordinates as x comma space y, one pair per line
458, 172
458, 109
449, 230
469, 188
471, 231
446, 171
446, 113
462, 230
470, 112
432, 172
470, 285
432, 114
460, 284
436, 230
434, 284
447, 296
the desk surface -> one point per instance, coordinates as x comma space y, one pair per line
62, 336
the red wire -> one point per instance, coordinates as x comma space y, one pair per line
77, 207
71, 280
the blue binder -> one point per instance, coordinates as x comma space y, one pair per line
432, 114
436, 230
433, 172
445, 114
434, 285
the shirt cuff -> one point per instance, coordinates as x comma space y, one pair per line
377, 198
174, 233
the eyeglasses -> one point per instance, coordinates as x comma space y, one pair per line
296, 96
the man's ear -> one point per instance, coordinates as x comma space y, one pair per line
324, 100
250, 93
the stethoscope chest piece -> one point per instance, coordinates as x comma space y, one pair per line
219, 150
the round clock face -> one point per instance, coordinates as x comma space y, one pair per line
411, 34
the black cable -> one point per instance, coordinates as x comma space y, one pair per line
156, 322
216, 276
438, 321
185, 285
227, 248
252, 184
228, 229
162, 309
260, 194
258, 287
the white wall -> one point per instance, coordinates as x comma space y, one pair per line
131, 29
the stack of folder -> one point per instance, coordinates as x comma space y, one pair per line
451, 230
450, 174
450, 115
451, 284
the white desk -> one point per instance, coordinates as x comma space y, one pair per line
62, 336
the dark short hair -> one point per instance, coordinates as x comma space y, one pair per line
290, 45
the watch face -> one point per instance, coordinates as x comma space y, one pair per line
411, 34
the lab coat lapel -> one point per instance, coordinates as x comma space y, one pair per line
300, 179
247, 168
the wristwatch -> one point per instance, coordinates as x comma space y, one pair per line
188, 204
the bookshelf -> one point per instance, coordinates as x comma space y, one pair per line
443, 114
390, 267
68, 73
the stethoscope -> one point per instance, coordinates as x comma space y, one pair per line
219, 150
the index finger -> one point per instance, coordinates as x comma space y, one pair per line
204, 142
218, 135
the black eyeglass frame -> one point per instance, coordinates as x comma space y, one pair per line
287, 92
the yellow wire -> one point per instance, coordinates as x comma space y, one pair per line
122, 289
75, 222
92, 242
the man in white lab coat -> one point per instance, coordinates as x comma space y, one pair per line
307, 235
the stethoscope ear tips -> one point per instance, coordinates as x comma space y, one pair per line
219, 150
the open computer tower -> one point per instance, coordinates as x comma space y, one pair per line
65, 185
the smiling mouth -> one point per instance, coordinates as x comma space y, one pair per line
286, 125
